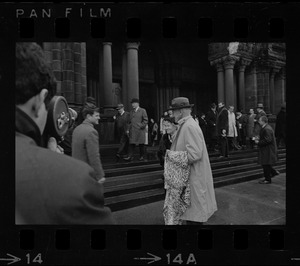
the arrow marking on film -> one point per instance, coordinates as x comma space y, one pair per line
12, 259
153, 259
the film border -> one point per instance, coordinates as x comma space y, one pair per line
223, 252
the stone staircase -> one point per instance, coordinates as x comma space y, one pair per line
135, 183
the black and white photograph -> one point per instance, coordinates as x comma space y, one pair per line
150, 133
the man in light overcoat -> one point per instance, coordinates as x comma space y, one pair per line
189, 138
137, 129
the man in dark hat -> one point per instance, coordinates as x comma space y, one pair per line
137, 129
189, 138
121, 124
267, 153
51, 188
260, 113
222, 129
85, 141
211, 119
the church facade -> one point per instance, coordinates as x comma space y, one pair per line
239, 74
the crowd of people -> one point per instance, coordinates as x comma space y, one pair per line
63, 182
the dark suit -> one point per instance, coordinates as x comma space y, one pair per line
211, 119
280, 128
53, 188
222, 124
121, 123
85, 147
267, 154
257, 127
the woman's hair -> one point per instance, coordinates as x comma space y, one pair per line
33, 73
170, 119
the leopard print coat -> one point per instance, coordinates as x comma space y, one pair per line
178, 194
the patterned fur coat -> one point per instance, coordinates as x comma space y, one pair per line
178, 193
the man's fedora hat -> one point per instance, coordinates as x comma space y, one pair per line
120, 106
260, 105
135, 100
179, 103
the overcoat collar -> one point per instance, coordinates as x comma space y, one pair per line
184, 119
87, 122
26, 126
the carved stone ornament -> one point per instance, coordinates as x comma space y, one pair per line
233, 47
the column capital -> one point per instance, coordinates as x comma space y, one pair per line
219, 67
132, 45
243, 63
282, 73
230, 61
274, 71
107, 43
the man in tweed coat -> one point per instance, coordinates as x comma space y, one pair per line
137, 129
85, 141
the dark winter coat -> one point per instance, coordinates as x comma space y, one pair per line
280, 128
203, 126
137, 126
222, 121
164, 144
121, 123
53, 188
256, 124
211, 119
267, 153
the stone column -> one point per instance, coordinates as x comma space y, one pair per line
221, 93
132, 71
272, 89
229, 90
68, 72
242, 66
77, 72
266, 72
107, 74
83, 72
283, 86
124, 80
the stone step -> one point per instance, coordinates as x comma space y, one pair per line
246, 176
149, 167
135, 199
131, 183
108, 155
150, 187
122, 202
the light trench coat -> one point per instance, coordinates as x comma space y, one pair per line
232, 131
190, 138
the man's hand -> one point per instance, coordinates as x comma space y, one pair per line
53, 146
